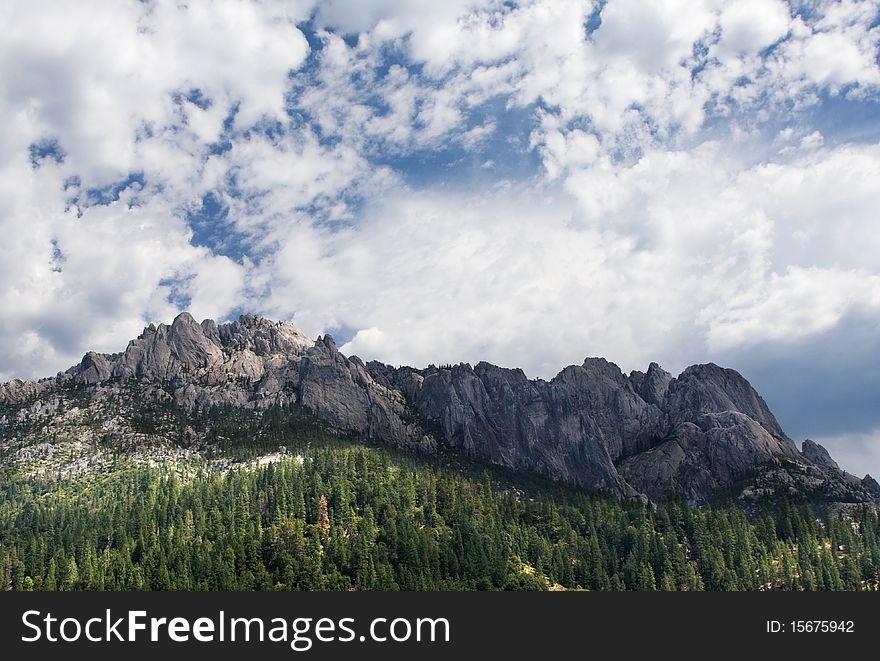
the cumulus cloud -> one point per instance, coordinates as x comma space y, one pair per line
92, 76
674, 257
749, 26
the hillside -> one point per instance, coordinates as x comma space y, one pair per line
702, 436
322, 513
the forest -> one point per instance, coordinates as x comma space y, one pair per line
329, 514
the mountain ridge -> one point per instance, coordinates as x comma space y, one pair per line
648, 435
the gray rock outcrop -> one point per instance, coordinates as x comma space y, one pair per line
818, 454
646, 434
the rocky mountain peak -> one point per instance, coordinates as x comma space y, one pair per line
653, 385
329, 343
817, 454
709, 388
183, 319
600, 367
871, 485
647, 435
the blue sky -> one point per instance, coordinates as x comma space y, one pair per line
527, 183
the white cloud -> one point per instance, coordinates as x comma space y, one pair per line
439, 34
837, 58
654, 35
650, 74
92, 75
822, 205
678, 257
789, 306
749, 26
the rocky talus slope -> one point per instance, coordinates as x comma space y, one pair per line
701, 435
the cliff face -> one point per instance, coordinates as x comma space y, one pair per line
640, 435
647, 433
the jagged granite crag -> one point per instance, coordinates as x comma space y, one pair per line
698, 436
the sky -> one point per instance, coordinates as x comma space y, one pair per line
526, 183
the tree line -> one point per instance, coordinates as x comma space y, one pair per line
356, 518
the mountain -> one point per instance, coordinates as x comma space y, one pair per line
701, 436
